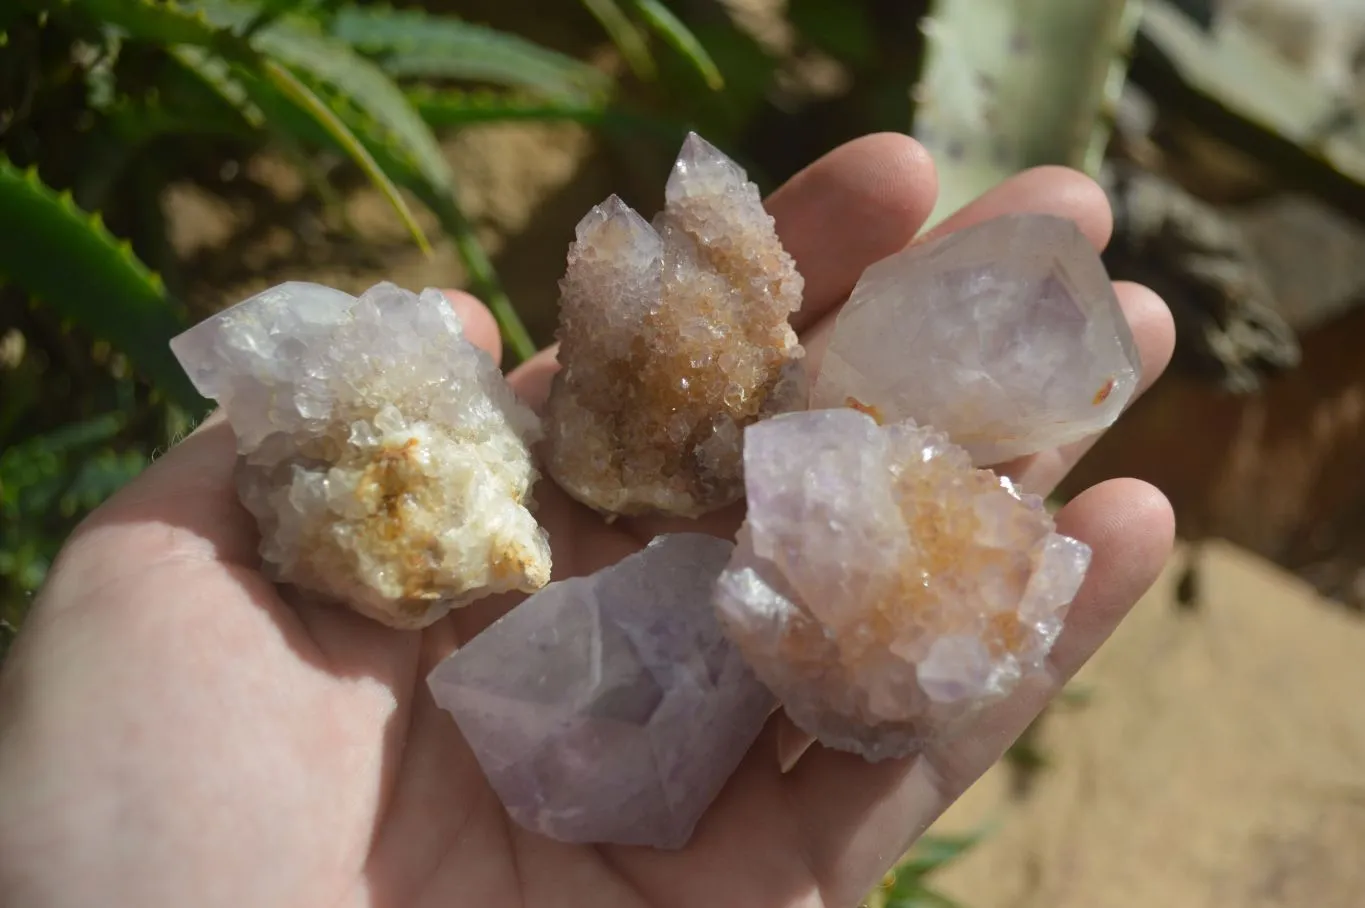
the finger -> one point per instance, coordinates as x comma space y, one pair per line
531, 380
182, 508
858, 204
480, 327
1059, 191
857, 817
1154, 333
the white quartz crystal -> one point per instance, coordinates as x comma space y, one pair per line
883, 587
1007, 336
382, 454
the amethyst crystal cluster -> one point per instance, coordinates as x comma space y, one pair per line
885, 586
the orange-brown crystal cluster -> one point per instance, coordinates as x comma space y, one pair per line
673, 338
884, 588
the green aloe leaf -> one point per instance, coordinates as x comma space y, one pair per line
484, 277
293, 47
35, 472
66, 258
450, 108
1235, 84
394, 159
275, 51
671, 29
921, 897
146, 20
935, 851
1011, 84
414, 43
625, 34
843, 30
289, 85
215, 73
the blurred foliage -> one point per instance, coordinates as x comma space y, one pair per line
1231, 81
907, 885
104, 103
1026, 757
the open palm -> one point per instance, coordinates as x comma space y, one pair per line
173, 732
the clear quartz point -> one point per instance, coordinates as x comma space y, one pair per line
1007, 336
610, 708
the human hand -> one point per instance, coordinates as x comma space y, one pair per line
174, 732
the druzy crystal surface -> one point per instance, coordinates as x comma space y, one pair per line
883, 587
673, 337
610, 708
1007, 336
382, 454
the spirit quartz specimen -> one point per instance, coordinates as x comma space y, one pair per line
610, 708
673, 338
383, 456
883, 587
1007, 336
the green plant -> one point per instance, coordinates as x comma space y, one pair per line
1233, 84
104, 102
908, 886
1010, 84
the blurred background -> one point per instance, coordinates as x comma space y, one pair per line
160, 161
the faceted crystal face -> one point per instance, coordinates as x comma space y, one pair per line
610, 708
883, 587
673, 337
1007, 336
382, 454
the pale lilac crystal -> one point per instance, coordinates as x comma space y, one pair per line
883, 587
1007, 336
385, 459
610, 708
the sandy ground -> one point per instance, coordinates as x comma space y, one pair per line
1219, 763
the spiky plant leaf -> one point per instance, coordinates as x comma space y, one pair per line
933, 852
1234, 82
215, 73
46, 481
921, 897
305, 99
34, 474
1011, 84
843, 30
145, 20
292, 47
680, 37
414, 43
67, 259
394, 159
907, 884
625, 34
275, 51
396, 134
450, 108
